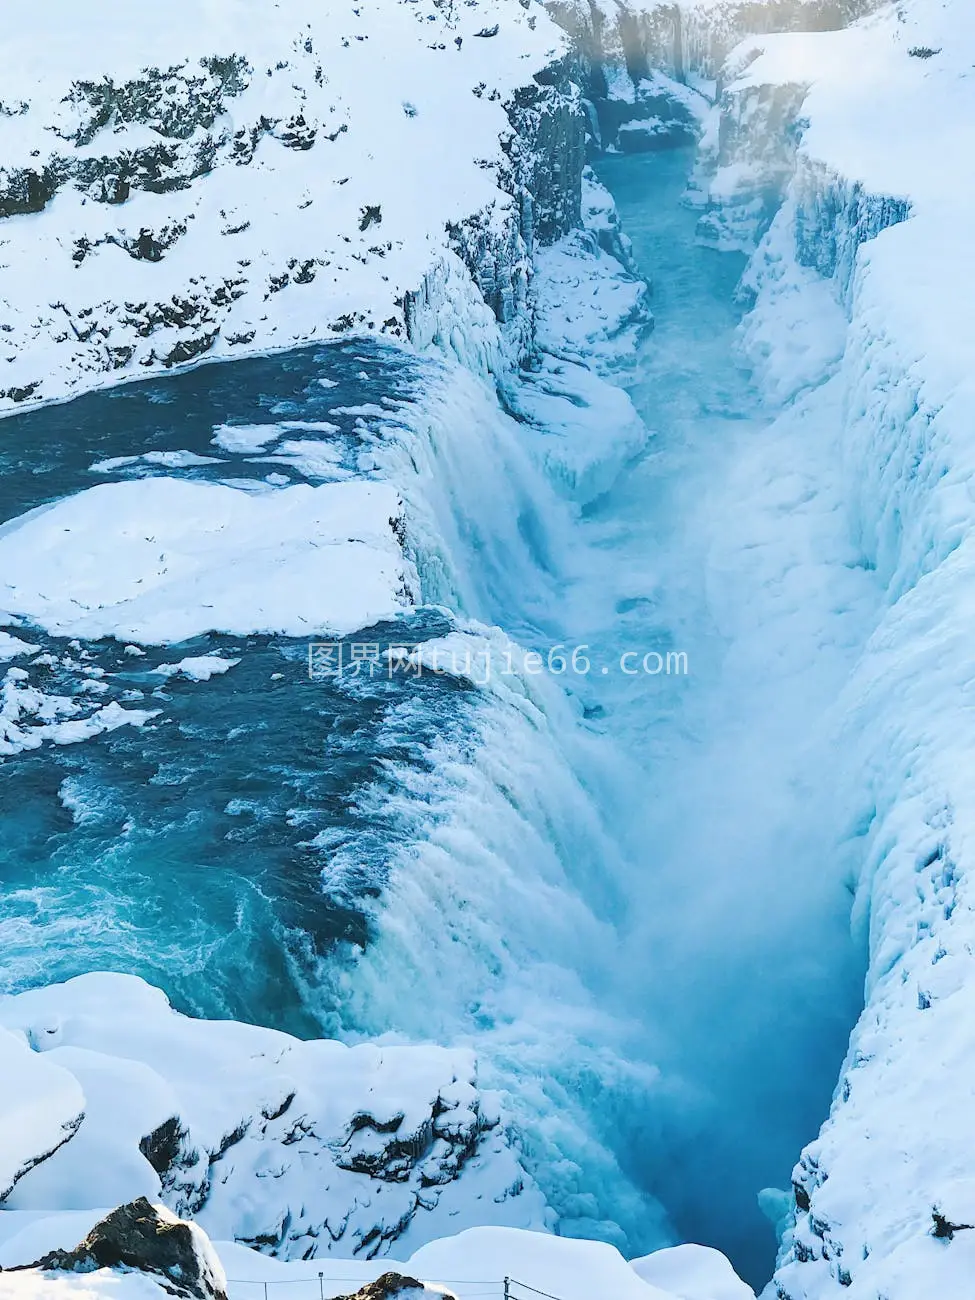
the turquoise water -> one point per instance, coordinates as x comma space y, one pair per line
190, 851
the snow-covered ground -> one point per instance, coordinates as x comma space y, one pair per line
164, 560
475, 1264
363, 1146
186, 182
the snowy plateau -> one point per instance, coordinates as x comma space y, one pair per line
616, 326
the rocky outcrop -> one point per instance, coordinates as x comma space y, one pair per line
751, 156
389, 1286
351, 1149
544, 156
147, 1239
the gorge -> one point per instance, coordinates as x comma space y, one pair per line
646, 751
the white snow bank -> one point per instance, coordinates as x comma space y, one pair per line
41, 1107
162, 560
693, 1273
12, 647
470, 1265
105, 1284
308, 1148
588, 430
474, 1264
588, 308
566, 1268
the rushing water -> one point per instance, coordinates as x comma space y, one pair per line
620, 888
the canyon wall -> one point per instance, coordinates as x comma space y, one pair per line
861, 273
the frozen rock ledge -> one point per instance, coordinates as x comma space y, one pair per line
165, 560
303, 1149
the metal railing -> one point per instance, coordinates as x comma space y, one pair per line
507, 1288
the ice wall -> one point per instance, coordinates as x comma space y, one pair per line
870, 237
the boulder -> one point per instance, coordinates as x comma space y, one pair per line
149, 1239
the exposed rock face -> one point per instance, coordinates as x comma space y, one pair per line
747, 159
834, 216
685, 37
542, 171
750, 156
149, 1239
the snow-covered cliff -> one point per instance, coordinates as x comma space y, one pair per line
866, 273
688, 38
194, 182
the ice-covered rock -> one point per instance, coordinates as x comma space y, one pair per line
165, 560
146, 1238
302, 1149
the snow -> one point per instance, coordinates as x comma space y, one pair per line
12, 647
41, 1106
475, 1262
104, 1284
588, 308
198, 668
571, 1270
244, 437
31, 716
168, 459
867, 274
693, 1273
275, 136
468, 1265
307, 1146
163, 560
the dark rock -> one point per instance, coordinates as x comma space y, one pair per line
163, 1146
135, 1236
390, 1284
945, 1230
370, 216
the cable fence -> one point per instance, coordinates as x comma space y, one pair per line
507, 1288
